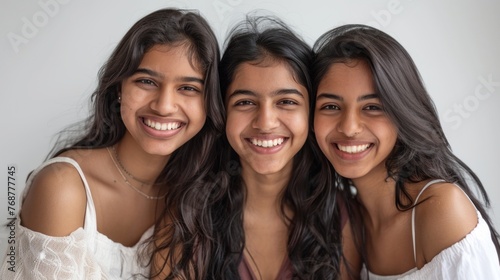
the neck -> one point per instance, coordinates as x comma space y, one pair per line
263, 192
376, 193
142, 166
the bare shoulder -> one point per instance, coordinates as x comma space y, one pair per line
55, 203
444, 217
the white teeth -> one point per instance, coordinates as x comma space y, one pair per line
353, 149
267, 143
162, 126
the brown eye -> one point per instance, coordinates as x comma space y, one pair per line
287, 102
374, 108
189, 88
330, 107
146, 82
243, 103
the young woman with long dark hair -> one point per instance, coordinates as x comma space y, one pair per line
416, 214
276, 218
87, 210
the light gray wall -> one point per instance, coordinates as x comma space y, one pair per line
51, 51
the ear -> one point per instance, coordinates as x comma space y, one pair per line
119, 93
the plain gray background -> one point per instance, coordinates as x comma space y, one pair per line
51, 51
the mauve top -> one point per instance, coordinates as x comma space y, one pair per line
246, 273
286, 270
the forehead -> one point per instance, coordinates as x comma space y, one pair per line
348, 77
265, 76
172, 56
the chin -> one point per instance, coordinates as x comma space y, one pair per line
159, 151
349, 174
268, 170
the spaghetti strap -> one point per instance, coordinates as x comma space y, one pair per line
413, 215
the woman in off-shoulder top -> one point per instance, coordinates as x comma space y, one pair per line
415, 214
88, 211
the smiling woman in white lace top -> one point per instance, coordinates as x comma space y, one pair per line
87, 212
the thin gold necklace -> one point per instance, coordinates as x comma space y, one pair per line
126, 180
125, 170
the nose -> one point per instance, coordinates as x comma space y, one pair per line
350, 124
164, 102
266, 118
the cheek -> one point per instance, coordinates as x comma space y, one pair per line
302, 125
299, 118
132, 100
388, 134
126, 109
196, 111
321, 128
392, 138
234, 123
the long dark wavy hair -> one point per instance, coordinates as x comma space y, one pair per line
422, 151
314, 231
188, 167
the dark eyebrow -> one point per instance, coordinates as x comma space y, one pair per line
241, 92
337, 97
148, 72
329, 96
287, 91
368, 96
275, 93
155, 74
192, 79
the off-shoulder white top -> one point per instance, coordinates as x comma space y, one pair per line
84, 254
473, 257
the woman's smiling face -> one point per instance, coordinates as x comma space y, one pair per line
350, 123
162, 103
267, 116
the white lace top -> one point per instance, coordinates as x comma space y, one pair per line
84, 254
473, 257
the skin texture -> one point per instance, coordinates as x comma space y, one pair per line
166, 88
264, 102
348, 114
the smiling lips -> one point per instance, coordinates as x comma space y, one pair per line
266, 143
353, 149
162, 126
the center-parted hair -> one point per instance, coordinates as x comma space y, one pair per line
422, 151
186, 176
314, 231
